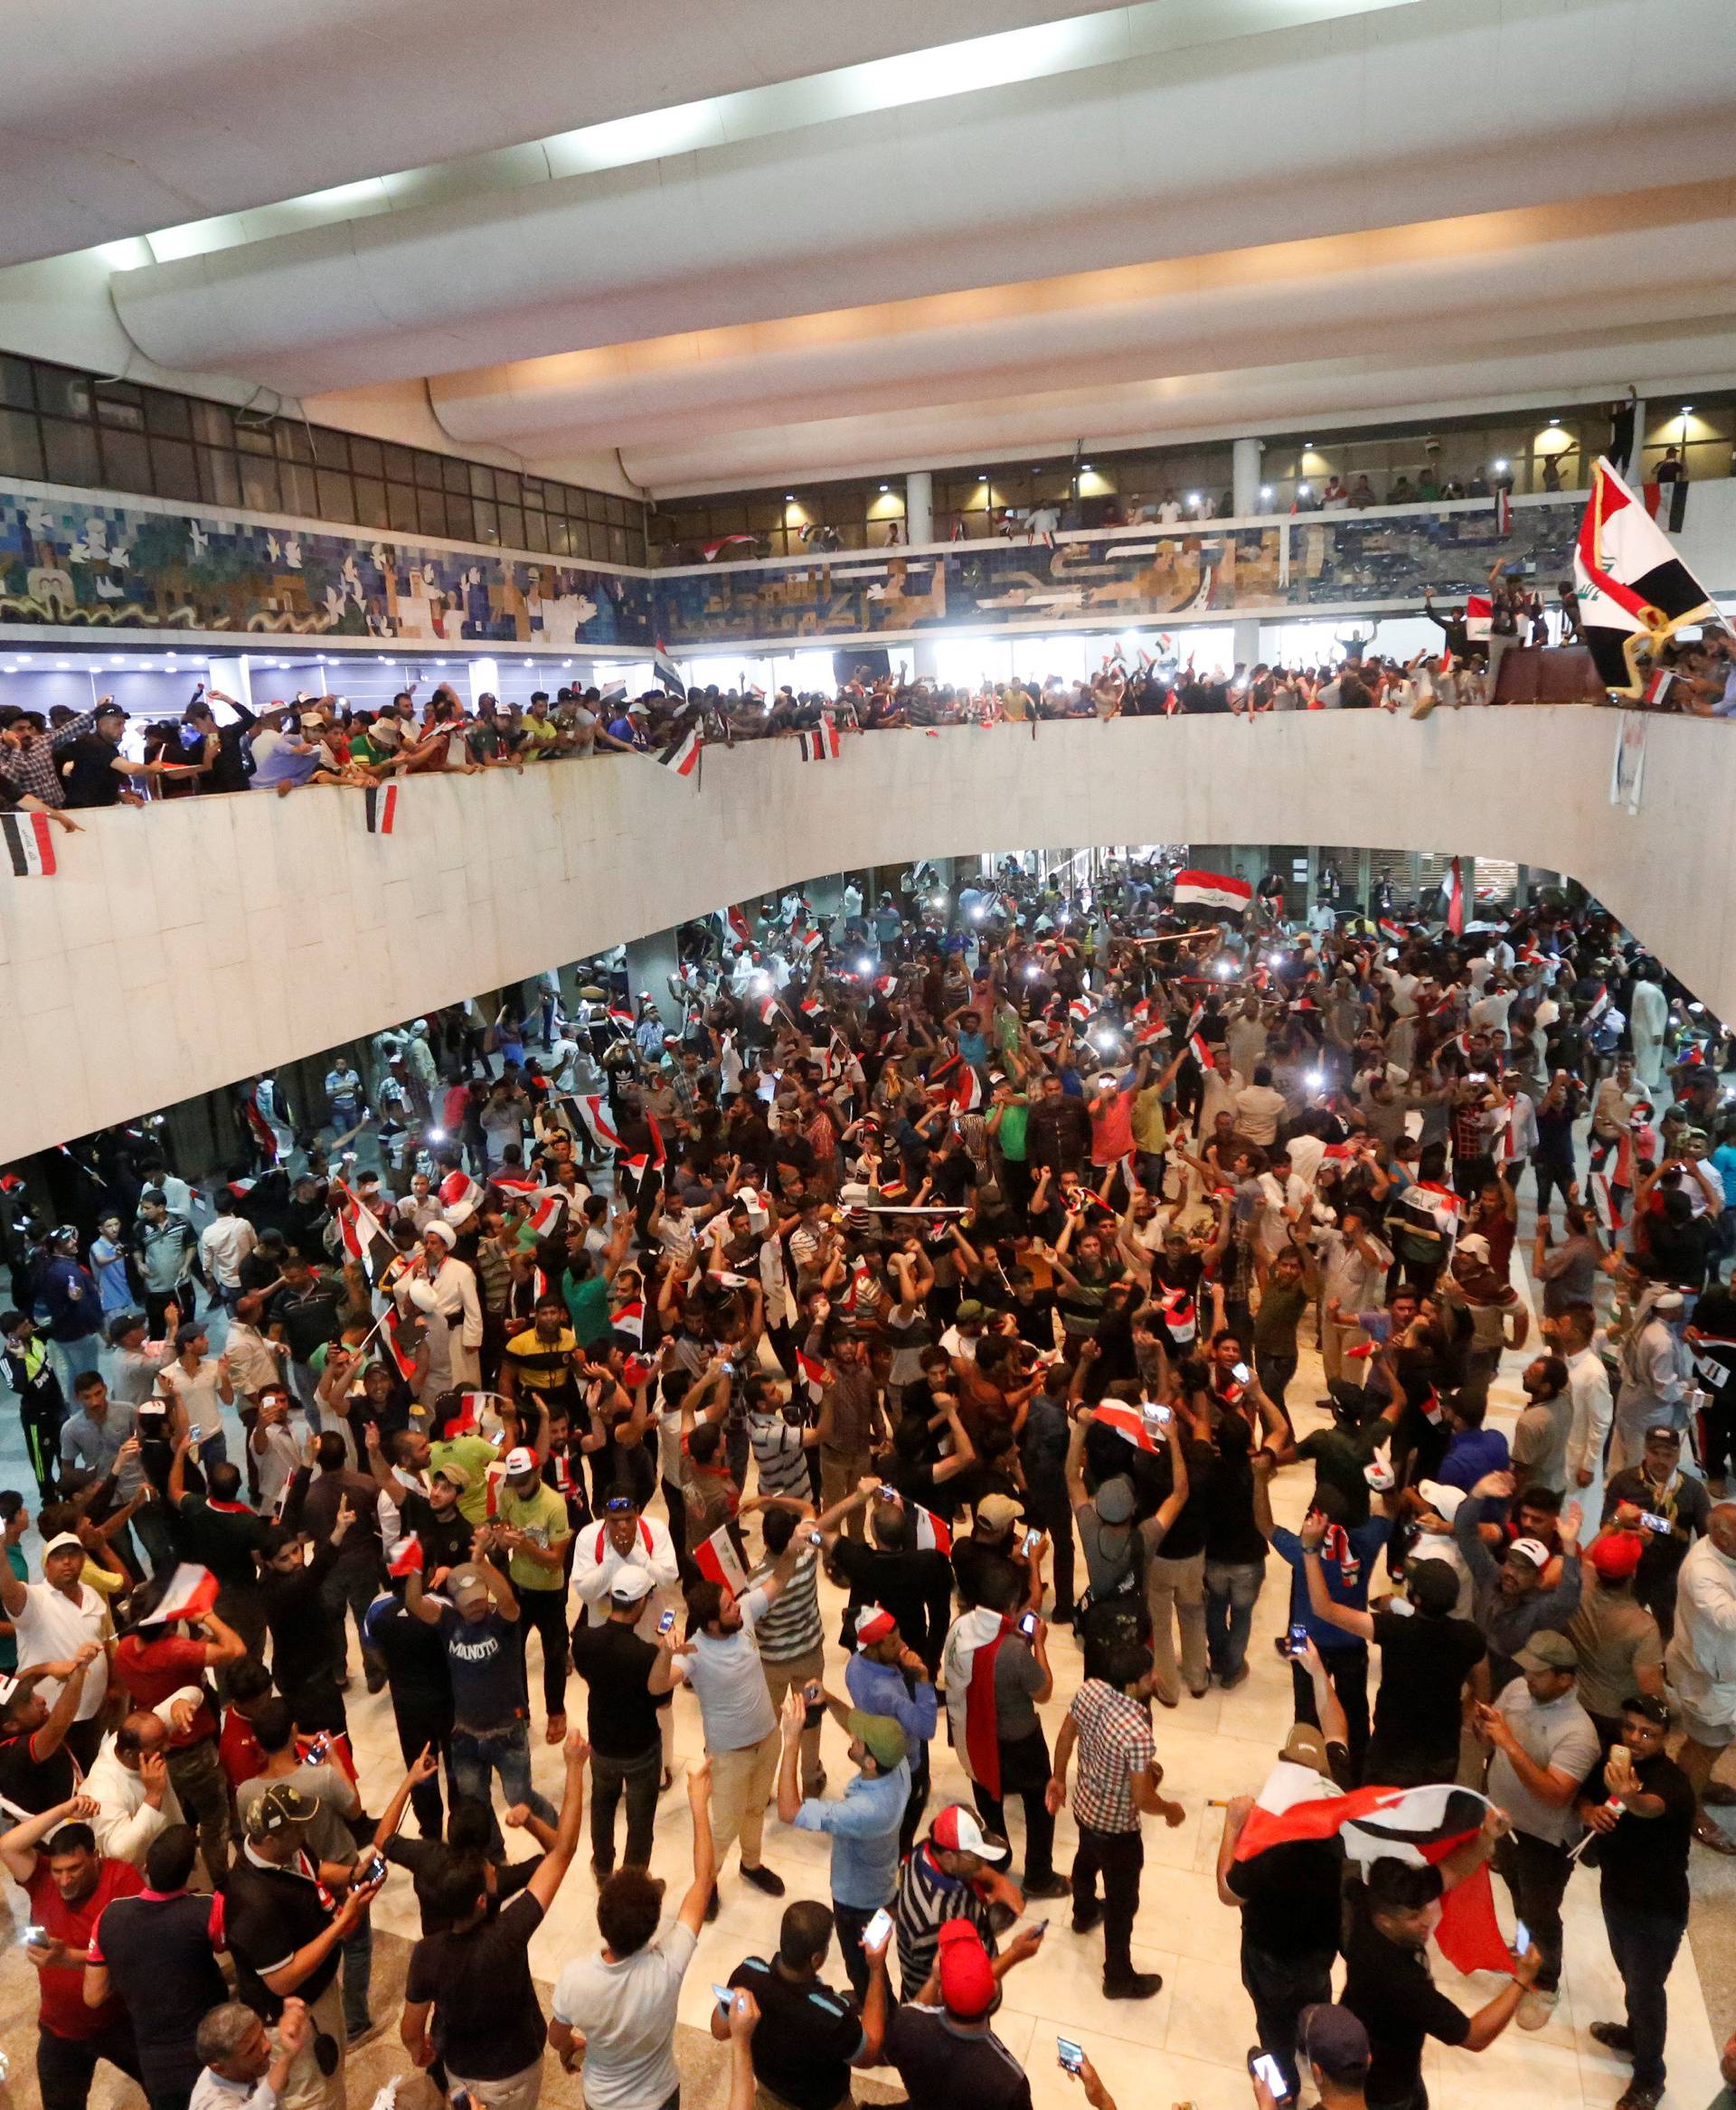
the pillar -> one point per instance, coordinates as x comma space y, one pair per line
484, 678
918, 506
925, 658
1244, 478
232, 677
650, 962
1247, 646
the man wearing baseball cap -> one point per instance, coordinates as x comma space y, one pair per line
1616, 1639
1543, 1744
52, 1621
285, 1929
956, 1873
884, 1675
862, 1822
625, 1721
941, 2043
1334, 2046
1509, 1602
532, 1527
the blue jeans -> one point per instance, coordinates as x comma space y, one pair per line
213, 1450
478, 1754
1231, 1588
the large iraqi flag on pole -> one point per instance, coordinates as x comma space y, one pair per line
1418, 1825
1634, 591
1211, 890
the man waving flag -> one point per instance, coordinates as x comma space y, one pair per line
1634, 592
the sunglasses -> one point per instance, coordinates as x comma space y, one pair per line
620, 1506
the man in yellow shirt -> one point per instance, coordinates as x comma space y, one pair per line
530, 1525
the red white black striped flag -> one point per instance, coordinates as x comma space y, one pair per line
30, 843
382, 808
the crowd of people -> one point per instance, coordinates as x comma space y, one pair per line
901, 1336
67, 761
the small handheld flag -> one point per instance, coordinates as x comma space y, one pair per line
191, 1592
717, 1559
666, 671
381, 803
819, 743
682, 754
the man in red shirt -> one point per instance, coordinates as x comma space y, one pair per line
154, 1662
53, 1860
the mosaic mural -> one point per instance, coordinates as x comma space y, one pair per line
72, 563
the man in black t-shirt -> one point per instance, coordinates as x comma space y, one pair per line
414, 1657
1642, 1809
155, 1953
285, 1927
1290, 1896
913, 1582
808, 2037
624, 1720
1387, 1985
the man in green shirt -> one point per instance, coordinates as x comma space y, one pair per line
1005, 1127
531, 1524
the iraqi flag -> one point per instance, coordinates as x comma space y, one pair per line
630, 1318
819, 743
394, 1330
1439, 1205
381, 802
812, 1372
1479, 618
1128, 1422
1420, 1826
666, 671
1658, 684
593, 1111
1211, 890
30, 844
1634, 592
191, 1592
404, 1556
972, 1646
359, 1226
717, 1559
933, 1533
1456, 899
545, 1216
967, 1089
682, 754
739, 928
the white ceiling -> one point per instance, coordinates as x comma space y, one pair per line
1104, 223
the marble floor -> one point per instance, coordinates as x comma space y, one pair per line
1187, 2045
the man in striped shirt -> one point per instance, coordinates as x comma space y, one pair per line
957, 1873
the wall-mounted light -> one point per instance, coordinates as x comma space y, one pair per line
1501, 467
1265, 489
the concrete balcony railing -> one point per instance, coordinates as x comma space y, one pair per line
192, 943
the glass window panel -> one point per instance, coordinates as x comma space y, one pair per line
454, 473
70, 452
533, 486
174, 472
253, 439
335, 502
371, 503
618, 545
21, 446
506, 487
560, 534
430, 470
431, 513
119, 403
66, 394
218, 485
299, 494
258, 483
292, 442
14, 383
511, 527
461, 517
482, 481
401, 504
126, 461
397, 463
364, 456
212, 423
536, 530
171, 416
487, 523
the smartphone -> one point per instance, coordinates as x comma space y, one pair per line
1159, 1416
725, 1997
886, 1493
1241, 1372
372, 1868
34, 1936
1265, 2067
816, 1538
1071, 2055
1028, 1626
1619, 1754
666, 1623
877, 1929
1032, 1539
1298, 1638
319, 1750
1039, 1928
1521, 1937
1654, 1523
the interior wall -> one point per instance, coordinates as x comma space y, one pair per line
187, 946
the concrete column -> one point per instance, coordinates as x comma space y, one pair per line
1247, 647
650, 962
232, 677
1244, 478
484, 676
925, 658
918, 506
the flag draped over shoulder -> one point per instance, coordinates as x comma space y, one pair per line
1634, 591
972, 1647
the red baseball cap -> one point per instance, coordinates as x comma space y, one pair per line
1616, 1555
968, 1983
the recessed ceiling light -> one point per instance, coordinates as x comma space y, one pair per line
984, 477
886, 486
1554, 420
789, 498
1686, 408
1084, 465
